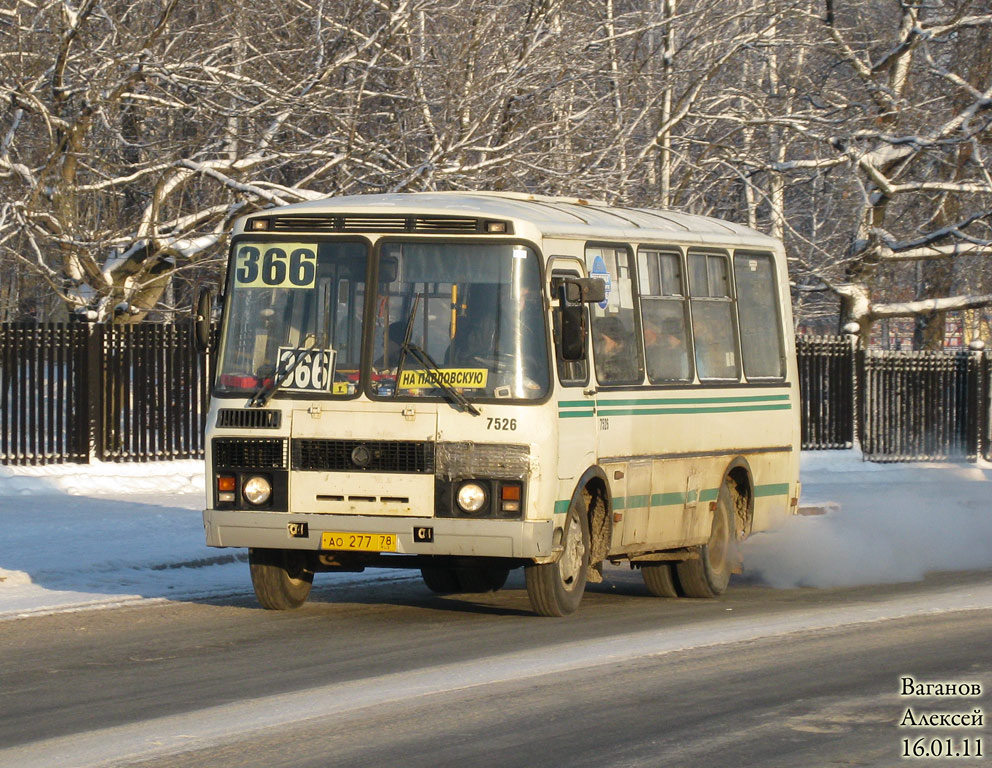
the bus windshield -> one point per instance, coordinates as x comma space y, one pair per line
294, 321
477, 312
294, 318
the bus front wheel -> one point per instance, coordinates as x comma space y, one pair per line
555, 589
281, 577
709, 574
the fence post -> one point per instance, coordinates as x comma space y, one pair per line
94, 398
852, 332
977, 403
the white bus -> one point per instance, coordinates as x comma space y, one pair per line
467, 383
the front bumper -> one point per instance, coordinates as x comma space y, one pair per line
459, 537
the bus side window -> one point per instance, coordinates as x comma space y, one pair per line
616, 342
663, 316
761, 322
713, 317
571, 373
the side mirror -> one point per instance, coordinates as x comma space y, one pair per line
583, 290
572, 321
202, 310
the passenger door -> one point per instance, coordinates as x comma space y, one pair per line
575, 394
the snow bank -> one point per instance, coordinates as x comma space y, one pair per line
103, 479
84, 536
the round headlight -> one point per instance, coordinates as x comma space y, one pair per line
257, 490
471, 497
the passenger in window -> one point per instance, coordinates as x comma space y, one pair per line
394, 341
615, 361
667, 355
476, 330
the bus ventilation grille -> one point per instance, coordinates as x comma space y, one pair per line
245, 418
363, 456
463, 225
250, 453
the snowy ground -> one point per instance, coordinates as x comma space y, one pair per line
76, 537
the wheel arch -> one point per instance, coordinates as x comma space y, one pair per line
740, 481
594, 489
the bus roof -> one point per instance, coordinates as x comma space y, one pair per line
552, 216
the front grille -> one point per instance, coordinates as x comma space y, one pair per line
363, 456
248, 418
461, 225
249, 453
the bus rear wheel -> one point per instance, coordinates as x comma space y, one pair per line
709, 574
659, 578
281, 577
556, 589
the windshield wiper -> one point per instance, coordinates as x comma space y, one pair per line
452, 395
265, 392
428, 362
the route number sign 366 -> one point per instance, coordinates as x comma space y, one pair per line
313, 373
286, 265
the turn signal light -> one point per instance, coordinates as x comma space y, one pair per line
510, 498
225, 488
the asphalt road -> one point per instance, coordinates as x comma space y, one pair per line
388, 674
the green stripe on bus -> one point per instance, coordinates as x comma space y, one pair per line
604, 410
580, 409
676, 498
693, 400
667, 499
772, 489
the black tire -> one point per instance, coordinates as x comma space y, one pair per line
281, 577
556, 589
488, 579
660, 579
450, 581
443, 581
709, 574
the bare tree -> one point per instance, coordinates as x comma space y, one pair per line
899, 120
135, 131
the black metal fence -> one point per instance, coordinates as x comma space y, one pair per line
140, 393
155, 393
43, 393
827, 383
899, 406
115, 393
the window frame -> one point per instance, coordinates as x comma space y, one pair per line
560, 267
776, 299
681, 298
636, 331
730, 299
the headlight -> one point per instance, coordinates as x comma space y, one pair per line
257, 490
471, 497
